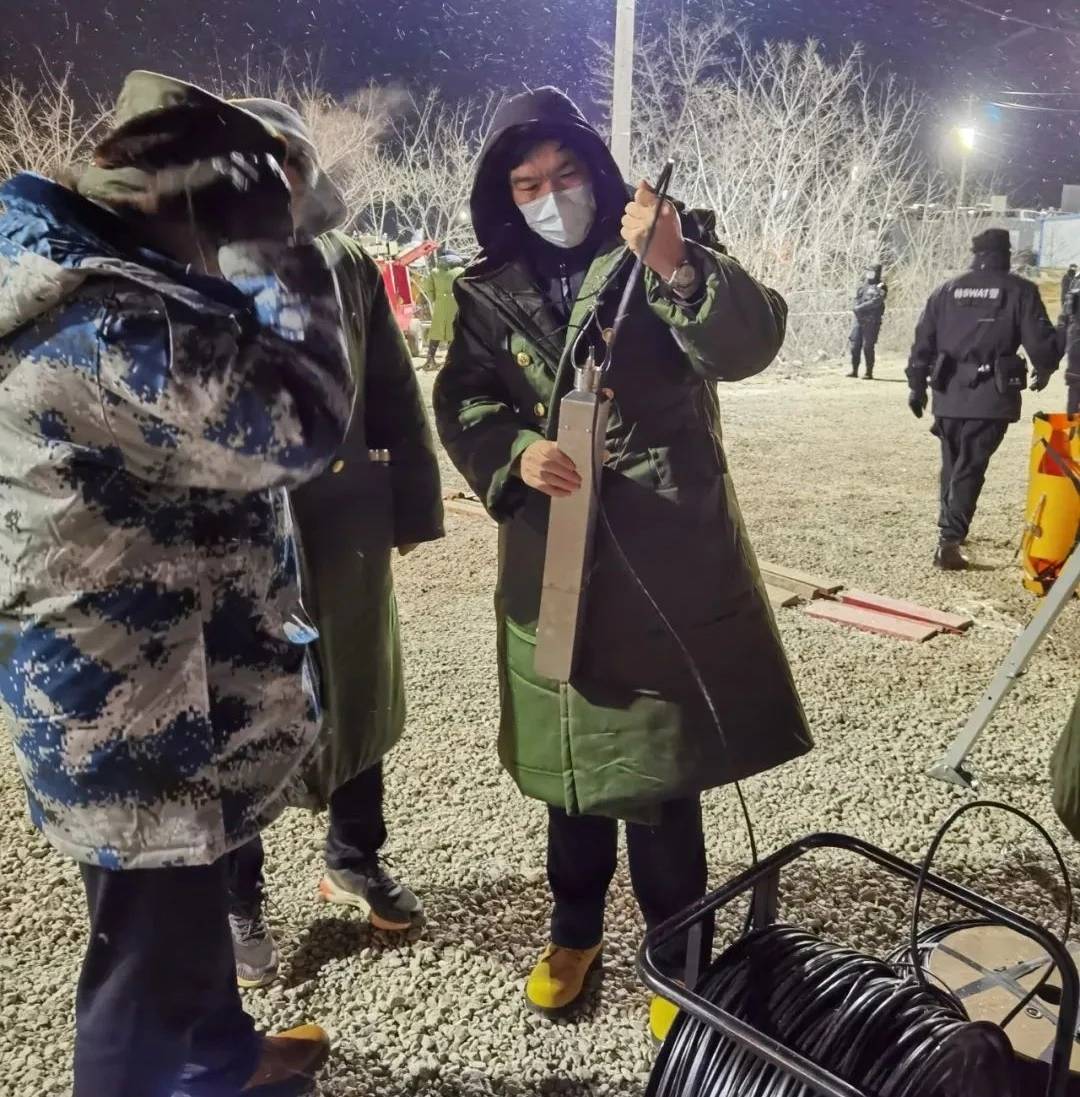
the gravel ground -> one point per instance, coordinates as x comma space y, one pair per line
836, 478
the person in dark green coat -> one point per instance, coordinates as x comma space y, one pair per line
1065, 773
381, 491
438, 288
631, 736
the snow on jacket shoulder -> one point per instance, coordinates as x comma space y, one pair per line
146, 568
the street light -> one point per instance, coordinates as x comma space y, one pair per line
967, 136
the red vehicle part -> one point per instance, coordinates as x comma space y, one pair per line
395, 273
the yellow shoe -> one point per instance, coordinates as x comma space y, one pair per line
662, 1014
288, 1063
560, 978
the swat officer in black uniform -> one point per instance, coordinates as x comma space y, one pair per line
965, 349
869, 313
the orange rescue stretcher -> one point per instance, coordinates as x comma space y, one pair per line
1052, 521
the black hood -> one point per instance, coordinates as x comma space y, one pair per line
875, 277
535, 116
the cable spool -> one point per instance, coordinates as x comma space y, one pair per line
851, 1013
991, 970
782, 1013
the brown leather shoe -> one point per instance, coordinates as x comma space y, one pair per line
949, 557
289, 1062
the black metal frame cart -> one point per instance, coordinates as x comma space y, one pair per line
763, 881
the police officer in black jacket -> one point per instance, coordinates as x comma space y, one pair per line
869, 313
965, 350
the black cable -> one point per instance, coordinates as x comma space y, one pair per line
849, 1013
914, 943
662, 185
858, 1017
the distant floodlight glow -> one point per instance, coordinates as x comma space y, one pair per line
967, 137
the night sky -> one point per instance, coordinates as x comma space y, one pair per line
992, 49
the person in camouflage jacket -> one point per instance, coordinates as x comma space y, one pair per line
152, 660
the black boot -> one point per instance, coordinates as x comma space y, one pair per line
869, 375
854, 370
949, 557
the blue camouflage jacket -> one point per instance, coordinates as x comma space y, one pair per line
147, 415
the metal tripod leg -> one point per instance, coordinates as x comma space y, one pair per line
951, 767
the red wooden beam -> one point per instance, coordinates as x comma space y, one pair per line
884, 624
897, 607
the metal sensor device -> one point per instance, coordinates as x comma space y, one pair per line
583, 417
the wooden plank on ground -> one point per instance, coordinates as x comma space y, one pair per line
798, 582
950, 622
780, 598
867, 620
792, 586
459, 504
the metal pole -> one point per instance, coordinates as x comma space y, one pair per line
623, 89
961, 194
951, 767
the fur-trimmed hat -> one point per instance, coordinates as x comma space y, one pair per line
992, 240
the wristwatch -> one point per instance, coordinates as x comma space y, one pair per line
684, 279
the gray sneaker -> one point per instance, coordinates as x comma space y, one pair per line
373, 890
253, 946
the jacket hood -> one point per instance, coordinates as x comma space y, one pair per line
535, 116
52, 240
167, 133
322, 206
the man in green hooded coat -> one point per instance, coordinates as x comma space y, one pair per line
1065, 773
381, 491
682, 684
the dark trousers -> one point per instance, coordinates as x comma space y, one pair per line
966, 448
157, 1011
356, 833
863, 343
1073, 407
667, 870
432, 347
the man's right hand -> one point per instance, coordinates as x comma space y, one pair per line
546, 468
917, 400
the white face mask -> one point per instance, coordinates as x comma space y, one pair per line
563, 217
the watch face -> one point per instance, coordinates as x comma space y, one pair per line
685, 275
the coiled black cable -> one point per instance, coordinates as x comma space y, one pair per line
867, 1021
850, 1013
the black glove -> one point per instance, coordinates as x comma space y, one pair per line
248, 200
1039, 380
917, 401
